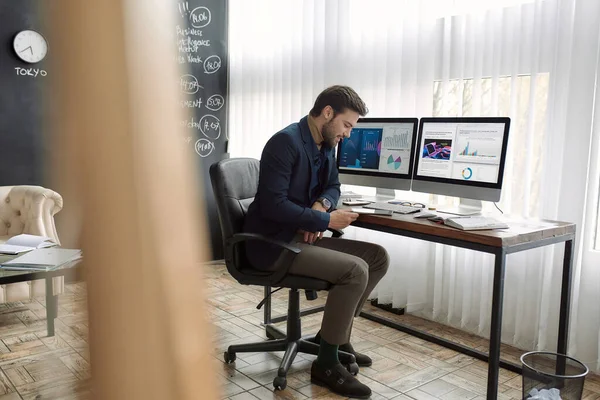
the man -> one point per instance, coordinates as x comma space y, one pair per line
297, 192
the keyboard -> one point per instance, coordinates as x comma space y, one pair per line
397, 208
350, 195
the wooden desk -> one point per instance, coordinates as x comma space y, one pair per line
522, 235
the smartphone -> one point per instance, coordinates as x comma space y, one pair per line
371, 211
355, 202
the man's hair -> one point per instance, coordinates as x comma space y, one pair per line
340, 98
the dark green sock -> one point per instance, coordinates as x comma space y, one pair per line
328, 354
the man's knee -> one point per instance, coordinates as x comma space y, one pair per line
358, 272
382, 259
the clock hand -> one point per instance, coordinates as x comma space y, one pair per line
28, 48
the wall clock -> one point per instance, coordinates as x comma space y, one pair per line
30, 46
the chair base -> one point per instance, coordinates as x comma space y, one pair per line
291, 343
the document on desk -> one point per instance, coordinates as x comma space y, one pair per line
43, 259
471, 223
25, 242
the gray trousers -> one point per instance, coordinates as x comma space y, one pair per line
352, 267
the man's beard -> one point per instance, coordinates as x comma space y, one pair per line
329, 135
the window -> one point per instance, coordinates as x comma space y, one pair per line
523, 99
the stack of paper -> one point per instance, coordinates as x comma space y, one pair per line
43, 259
22, 243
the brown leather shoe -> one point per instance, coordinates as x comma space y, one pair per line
362, 360
339, 381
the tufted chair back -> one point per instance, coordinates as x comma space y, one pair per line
28, 209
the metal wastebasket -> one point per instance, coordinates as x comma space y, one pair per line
553, 376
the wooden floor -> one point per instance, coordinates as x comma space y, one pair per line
33, 366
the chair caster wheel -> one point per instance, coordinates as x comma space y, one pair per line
352, 368
229, 357
279, 383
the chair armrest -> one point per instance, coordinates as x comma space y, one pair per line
336, 233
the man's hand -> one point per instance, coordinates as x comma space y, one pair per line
340, 219
310, 237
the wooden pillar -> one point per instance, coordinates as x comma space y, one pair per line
118, 149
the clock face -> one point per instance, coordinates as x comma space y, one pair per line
30, 46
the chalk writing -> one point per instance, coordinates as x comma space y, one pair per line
188, 31
30, 72
212, 64
189, 45
184, 8
189, 84
210, 126
190, 59
200, 17
215, 102
204, 147
188, 139
197, 103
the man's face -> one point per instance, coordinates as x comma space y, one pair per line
339, 127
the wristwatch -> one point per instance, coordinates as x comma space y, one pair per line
325, 202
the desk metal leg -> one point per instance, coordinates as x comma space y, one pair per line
565, 306
51, 306
496, 328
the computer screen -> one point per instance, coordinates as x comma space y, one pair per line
379, 153
461, 157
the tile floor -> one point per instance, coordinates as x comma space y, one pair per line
33, 366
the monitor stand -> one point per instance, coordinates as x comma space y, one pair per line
465, 207
385, 194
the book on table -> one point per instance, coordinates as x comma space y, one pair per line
25, 242
45, 259
471, 223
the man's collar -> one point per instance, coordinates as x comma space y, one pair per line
314, 131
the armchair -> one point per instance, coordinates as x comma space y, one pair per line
235, 182
28, 209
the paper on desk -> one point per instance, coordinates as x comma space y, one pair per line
43, 259
25, 242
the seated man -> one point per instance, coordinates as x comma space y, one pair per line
297, 192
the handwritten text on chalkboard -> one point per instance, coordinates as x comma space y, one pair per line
194, 48
30, 72
215, 102
204, 147
189, 84
212, 64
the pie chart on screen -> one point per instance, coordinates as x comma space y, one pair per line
394, 162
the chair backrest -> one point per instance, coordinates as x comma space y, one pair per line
235, 183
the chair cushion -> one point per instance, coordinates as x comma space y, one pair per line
290, 281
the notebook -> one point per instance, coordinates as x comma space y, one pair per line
25, 242
43, 259
471, 223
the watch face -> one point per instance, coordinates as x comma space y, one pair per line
30, 46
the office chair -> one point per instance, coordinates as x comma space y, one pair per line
235, 182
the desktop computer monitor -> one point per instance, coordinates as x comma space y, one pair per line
379, 153
462, 157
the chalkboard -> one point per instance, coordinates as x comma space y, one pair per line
22, 128
201, 33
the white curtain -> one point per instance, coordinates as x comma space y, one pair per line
535, 61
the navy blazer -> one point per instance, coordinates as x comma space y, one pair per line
283, 202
